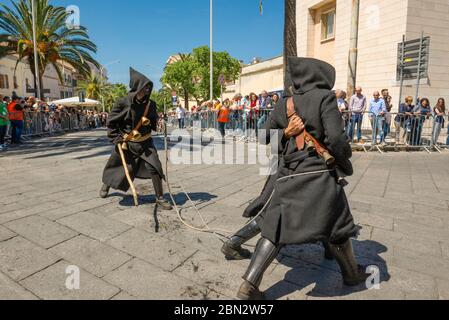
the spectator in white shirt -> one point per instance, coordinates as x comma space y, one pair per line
181, 115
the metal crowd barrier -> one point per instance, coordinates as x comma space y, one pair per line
394, 130
377, 133
242, 125
37, 124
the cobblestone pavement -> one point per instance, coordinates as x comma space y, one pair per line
51, 217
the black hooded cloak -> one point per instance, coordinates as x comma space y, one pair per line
142, 158
313, 207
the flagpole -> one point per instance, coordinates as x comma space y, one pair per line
36, 65
211, 54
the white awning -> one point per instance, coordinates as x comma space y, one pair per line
75, 102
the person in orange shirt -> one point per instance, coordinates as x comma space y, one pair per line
15, 111
223, 119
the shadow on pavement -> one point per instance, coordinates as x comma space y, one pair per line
326, 275
180, 198
58, 145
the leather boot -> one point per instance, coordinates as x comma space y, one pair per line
264, 255
104, 191
232, 249
159, 191
353, 274
164, 204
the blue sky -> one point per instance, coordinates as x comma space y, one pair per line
147, 32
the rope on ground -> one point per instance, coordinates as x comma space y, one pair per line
206, 228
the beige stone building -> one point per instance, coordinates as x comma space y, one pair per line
23, 82
324, 32
260, 75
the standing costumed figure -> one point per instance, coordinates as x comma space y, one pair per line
308, 204
130, 124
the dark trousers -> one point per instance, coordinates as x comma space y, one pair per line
222, 128
181, 123
356, 120
16, 131
2, 134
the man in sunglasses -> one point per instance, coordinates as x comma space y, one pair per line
130, 124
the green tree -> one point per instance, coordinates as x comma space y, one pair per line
189, 76
179, 76
112, 92
162, 97
55, 42
224, 65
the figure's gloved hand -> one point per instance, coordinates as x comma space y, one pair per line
295, 127
118, 140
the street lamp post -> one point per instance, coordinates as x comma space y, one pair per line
102, 68
36, 65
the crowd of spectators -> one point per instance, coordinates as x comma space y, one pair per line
404, 127
409, 122
27, 117
239, 113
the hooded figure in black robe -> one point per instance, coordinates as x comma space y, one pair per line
308, 203
141, 157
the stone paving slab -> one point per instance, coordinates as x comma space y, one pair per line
10, 290
143, 280
20, 258
376, 221
213, 273
50, 284
6, 234
204, 242
398, 240
412, 229
41, 231
143, 218
147, 247
425, 264
91, 255
82, 203
124, 296
443, 290
95, 226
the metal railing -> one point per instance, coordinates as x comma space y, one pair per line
243, 125
367, 131
36, 124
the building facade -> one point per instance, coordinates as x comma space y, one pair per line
22, 83
324, 32
260, 75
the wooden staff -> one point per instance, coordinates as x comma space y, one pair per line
130, 181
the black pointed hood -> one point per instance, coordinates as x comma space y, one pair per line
137, 82
307, 74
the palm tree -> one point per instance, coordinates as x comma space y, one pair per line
55, 42
93, 86
290, 44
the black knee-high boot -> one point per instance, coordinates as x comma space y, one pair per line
232, 249
159, 191
353, 274
327, 251
265, 253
